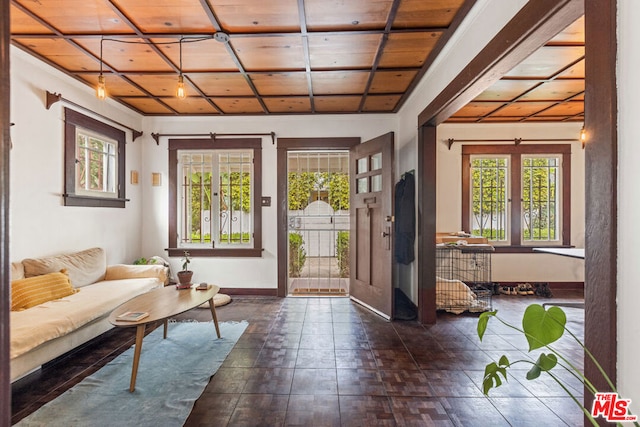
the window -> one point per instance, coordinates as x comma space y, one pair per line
518, 195
94, 162
214, 197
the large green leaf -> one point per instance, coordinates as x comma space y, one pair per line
543, 327
545, 362
483, 321
492, 374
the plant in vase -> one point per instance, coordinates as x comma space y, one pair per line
185, 275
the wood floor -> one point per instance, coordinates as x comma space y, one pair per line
329, 362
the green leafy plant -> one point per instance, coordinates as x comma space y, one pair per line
144, 261
186, 259
342, 249
297, 254
541, 328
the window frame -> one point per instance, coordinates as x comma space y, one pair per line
515, 153
254, 144
73, 121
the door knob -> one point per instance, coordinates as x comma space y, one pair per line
385, 234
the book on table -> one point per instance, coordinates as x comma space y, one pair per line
132, 316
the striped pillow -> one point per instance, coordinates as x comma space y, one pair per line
32, 291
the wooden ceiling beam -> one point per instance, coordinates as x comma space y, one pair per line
302, 15
532, 27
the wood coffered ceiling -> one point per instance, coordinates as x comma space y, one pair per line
252, 57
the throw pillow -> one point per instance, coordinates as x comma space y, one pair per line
32, 291
84, 267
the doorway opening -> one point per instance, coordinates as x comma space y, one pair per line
318, 222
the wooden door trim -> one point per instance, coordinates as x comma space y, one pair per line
601, 162
284, 145
5, 264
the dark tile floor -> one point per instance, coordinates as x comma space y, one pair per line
329, 362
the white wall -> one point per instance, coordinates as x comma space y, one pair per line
40, 224
628, 201
238, 272
512, 267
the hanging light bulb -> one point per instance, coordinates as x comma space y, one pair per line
583, 136
181, 93
101, 90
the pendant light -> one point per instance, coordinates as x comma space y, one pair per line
101, 90
181, 93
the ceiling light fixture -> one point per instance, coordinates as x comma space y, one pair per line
101, 90
180, 91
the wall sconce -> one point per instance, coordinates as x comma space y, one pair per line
101, 90
583, 136
156, 179
134, 177
180, 90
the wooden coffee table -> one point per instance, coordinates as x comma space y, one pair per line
161, 304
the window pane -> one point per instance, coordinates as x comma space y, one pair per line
489, 198
376, 183
540, 183
363, 185
363, 165
376, 161
96, 165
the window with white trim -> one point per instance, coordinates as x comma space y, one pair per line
518, 195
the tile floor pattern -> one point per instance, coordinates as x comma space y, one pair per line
329, 362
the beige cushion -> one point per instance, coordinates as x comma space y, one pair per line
17, 271
33, 291
84, 267
125, 271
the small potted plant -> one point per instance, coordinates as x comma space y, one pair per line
184, 275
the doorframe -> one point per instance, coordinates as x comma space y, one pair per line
529, 30
284, 146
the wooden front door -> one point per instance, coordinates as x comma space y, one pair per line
371, 174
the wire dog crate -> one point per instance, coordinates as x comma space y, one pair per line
463, 278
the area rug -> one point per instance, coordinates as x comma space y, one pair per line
171, 375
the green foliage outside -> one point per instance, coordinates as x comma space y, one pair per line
297, 254
303, 184
342, 249
489, 197
542, 328
235, 238
235, 195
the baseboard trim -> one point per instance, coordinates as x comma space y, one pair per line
250, 291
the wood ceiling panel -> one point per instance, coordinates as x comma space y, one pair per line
61, 53
547, 61
565, 109
270, 53
288, 105
79, 16
256, 16
343, 51
160, 84
116, 86
191, 105
555, 90
506, 90
197, 54
222, 84
426, 13
400, 49
281, 83
21, 23
340, 15
381, 103
522, 109
238, 105
576, 71
337, 104
339, 82
391, 81
477, 109
147, 105
130, 54
167, 16
573, 34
